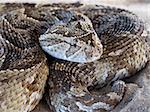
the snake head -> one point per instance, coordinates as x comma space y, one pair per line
74, 41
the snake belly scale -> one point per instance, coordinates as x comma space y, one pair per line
87, 48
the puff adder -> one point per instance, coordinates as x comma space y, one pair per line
87, 47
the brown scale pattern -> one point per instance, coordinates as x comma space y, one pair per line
85, 76
23, 69
124, 53
111, 21
72, 87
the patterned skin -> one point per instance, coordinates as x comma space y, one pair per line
70, 35
80, 65
23, 70
125, 52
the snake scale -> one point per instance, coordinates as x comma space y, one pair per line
73, 49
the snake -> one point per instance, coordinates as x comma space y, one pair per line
68, 53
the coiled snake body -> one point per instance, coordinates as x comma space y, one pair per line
92, 46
